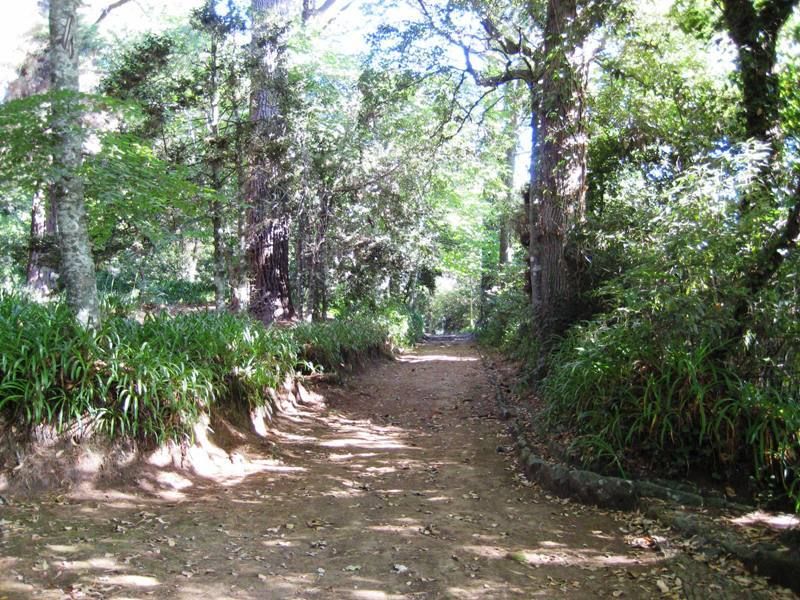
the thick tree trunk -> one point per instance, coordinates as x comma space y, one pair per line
41, 276
269, 255
77, 265
267, 188
558, 185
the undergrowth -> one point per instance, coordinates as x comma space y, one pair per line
152, 379
669, 372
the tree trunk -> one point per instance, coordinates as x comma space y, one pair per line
77, 265
503, 214
511, 198
318, 281
558, 185
220, 268
300, 263
268, 186
502, 258
755, 33
215, 165
41, 276
238, 278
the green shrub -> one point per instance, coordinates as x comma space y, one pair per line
658, 374
454, 310
333, 344
404, 326
357, 335
506, 323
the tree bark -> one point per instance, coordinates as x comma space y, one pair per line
502, 258
268, 186
504, 225
238, 276
558, 186
41, 276
215, 167
77, 265
300, 265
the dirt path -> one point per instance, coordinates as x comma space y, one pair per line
403, 487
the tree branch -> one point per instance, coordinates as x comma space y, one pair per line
775, 13
507, 45
108, 9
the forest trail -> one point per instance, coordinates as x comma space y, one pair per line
403, 486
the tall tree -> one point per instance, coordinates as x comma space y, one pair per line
268, 192
77, 265
556, 73
558, 188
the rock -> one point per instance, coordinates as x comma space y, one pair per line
653, 490
607, 492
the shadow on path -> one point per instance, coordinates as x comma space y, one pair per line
400, 485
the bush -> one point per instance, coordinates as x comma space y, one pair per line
453, 311
153, 379
404, 325
333, 344
506, 323
658, 372
163, 291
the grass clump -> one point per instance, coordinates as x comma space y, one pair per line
153, 379
331, 345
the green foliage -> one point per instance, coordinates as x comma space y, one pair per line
164, 291
15, 213
133, 198
335, 344
358, 334
660, 102
654, 372
506, 318
403, 324
153, 379
454, 310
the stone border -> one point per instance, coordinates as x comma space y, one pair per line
777, 563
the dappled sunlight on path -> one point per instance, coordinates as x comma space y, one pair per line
399, 487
